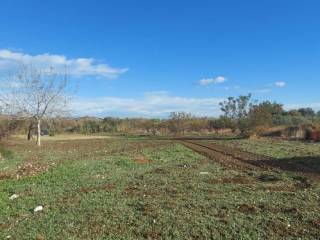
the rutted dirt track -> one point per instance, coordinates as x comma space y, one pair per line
234, 158
229, 157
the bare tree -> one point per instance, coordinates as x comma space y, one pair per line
179, 122
35, 94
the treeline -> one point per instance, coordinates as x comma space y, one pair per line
251, 117
241, 115
178, 124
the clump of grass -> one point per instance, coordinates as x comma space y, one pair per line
5, 153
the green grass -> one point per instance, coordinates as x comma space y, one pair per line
97, 190
5, 153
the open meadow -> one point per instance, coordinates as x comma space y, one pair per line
159, 120
121, 188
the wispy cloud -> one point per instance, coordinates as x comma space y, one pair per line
269, 87
76, 66
151, 104
315, 106
263, 90
208, 81
280, 84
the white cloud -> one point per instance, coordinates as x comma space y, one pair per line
280, 84
152, 104
207, 81
76, 66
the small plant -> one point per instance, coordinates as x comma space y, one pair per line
5, 153
52, 133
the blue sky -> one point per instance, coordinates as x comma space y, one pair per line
148, 58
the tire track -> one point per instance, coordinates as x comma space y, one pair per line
229, 157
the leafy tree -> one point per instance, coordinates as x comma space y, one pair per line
91, 126
215, 124
222, 122
237, 110
264, 114
294, 113
109, 124
307, 112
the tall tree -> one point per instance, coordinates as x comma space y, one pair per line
307, 112
263, 114
237, 109
35, 94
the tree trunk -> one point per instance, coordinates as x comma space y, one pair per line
39, 133
30, 132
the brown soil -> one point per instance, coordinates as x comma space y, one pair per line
4, 176
281, 188
230, 158
234, 158
158, 171
214, 192
132, 191
74, 150
30, 169
279, 228
105, 187
316, 223
135, 191
291, 210
234, 180
141, 159
246, 208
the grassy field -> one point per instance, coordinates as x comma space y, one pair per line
64, 137
138, 189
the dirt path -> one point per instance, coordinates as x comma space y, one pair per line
234, 158
228, 157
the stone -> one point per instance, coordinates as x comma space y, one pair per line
38, 209
13, 196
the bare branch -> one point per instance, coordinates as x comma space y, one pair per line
35, 93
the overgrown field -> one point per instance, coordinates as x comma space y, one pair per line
152, 189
